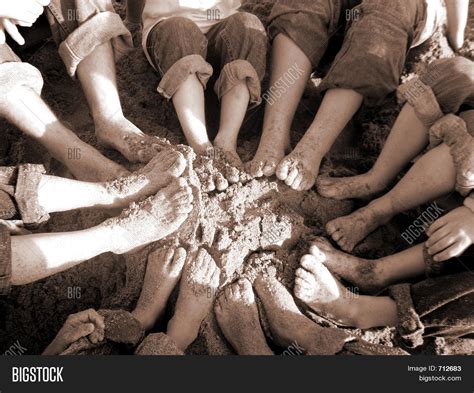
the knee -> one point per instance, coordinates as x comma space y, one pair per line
246, 23
179, 25
459, 68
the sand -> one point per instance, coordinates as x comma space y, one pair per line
258, 223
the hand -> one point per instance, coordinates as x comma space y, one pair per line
26, 11
86, 323
6, 25
451, 235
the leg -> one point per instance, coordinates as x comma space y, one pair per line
324, 294
458, 12
163, 272
279, 112
38, 256
238, 46
237, 315
177, 49
26, 110
196, 295
407, 139
434, 173
370, 276
57, 194
301, 167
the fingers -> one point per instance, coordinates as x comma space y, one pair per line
43, 3
81, 331
438, 235
11, 29
21, 23
438, 224
441, 245
451, 252
2, 34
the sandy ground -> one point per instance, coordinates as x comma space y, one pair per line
234, 225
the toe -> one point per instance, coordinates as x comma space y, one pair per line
283, 169
255, 168
179, 259
303, 275
310, 263
269, 168
331, 227
220, 182
293, 173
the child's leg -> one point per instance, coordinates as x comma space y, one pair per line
434, 174
368, 67
279, 112
300, 33
369, 276
301, 167
407, 139
26, 110
178, 50
90, 34
458, 12
38, 256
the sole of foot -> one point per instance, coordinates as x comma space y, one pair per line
299, 170
152, 219
163, 272
360, 272
289, 326
157, 174
197, 292
349, 231
237, 315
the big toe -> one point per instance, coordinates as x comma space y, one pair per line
283, 169
255, 168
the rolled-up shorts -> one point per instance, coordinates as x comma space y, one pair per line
80, 26
435, 307
18, 201
379, 34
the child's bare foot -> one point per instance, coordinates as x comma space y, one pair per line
88, 164
300, 168
237, 315
158, 173
163, 271
363, 273
196, 294
229, 151
348, 231
152, 219
317, 288
271, 150
122, 135
341, 188
289, 326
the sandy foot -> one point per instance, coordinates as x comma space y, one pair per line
265, 161
316, 287
163, 271
196, 295
158, 173
299, 169
289, 326
341, 188
237, 315
152, 219
348, 231
362, 273
122, 135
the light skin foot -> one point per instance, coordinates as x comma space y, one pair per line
120, 134
340, 188
362, 273
266, 159
348, 231
152, 219
229, 151
300, 168
237, 315
163, 272
289, 326
158, 173
324, 294
196, 295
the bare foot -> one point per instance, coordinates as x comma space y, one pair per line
88, 164
158, 173
341, 188
265, 161
362, 273
152, 219
237, 315
229, 151
196, 295
163, 271
317, 288
300, 168
348, 231
289, 326
122, 135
